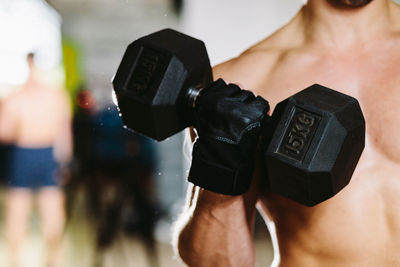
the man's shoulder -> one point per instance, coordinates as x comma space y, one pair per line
12, 103
14, 97
248, 68
254, 66
39, 95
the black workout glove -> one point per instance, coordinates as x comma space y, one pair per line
228, 122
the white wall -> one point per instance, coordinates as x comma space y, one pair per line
27, 26
230, 26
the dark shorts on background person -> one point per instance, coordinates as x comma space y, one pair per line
31, 168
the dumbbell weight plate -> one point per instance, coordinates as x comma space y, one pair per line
154, 76
314, 141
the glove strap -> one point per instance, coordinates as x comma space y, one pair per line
218, 178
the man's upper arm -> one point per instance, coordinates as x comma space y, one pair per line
8, 120
63, 143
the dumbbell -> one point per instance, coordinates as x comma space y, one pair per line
311, 143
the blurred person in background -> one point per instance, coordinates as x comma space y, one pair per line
116, 169
120, 188
36, 121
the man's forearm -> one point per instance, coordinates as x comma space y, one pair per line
217, 230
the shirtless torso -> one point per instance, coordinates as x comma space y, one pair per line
37, 116
355, 51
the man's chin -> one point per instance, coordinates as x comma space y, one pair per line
352, 3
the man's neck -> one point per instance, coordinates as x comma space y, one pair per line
32, 82
335, 26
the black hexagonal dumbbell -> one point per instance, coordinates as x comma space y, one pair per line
158, 81
311, 144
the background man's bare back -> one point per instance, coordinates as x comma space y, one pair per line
361, 225
39, 114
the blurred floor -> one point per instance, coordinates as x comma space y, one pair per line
79, 246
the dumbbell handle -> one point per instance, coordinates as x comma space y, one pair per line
192, 95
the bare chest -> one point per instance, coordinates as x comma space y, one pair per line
374, 81
369, 203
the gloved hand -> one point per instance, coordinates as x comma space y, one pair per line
228, 123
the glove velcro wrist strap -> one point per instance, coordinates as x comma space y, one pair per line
218, 178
